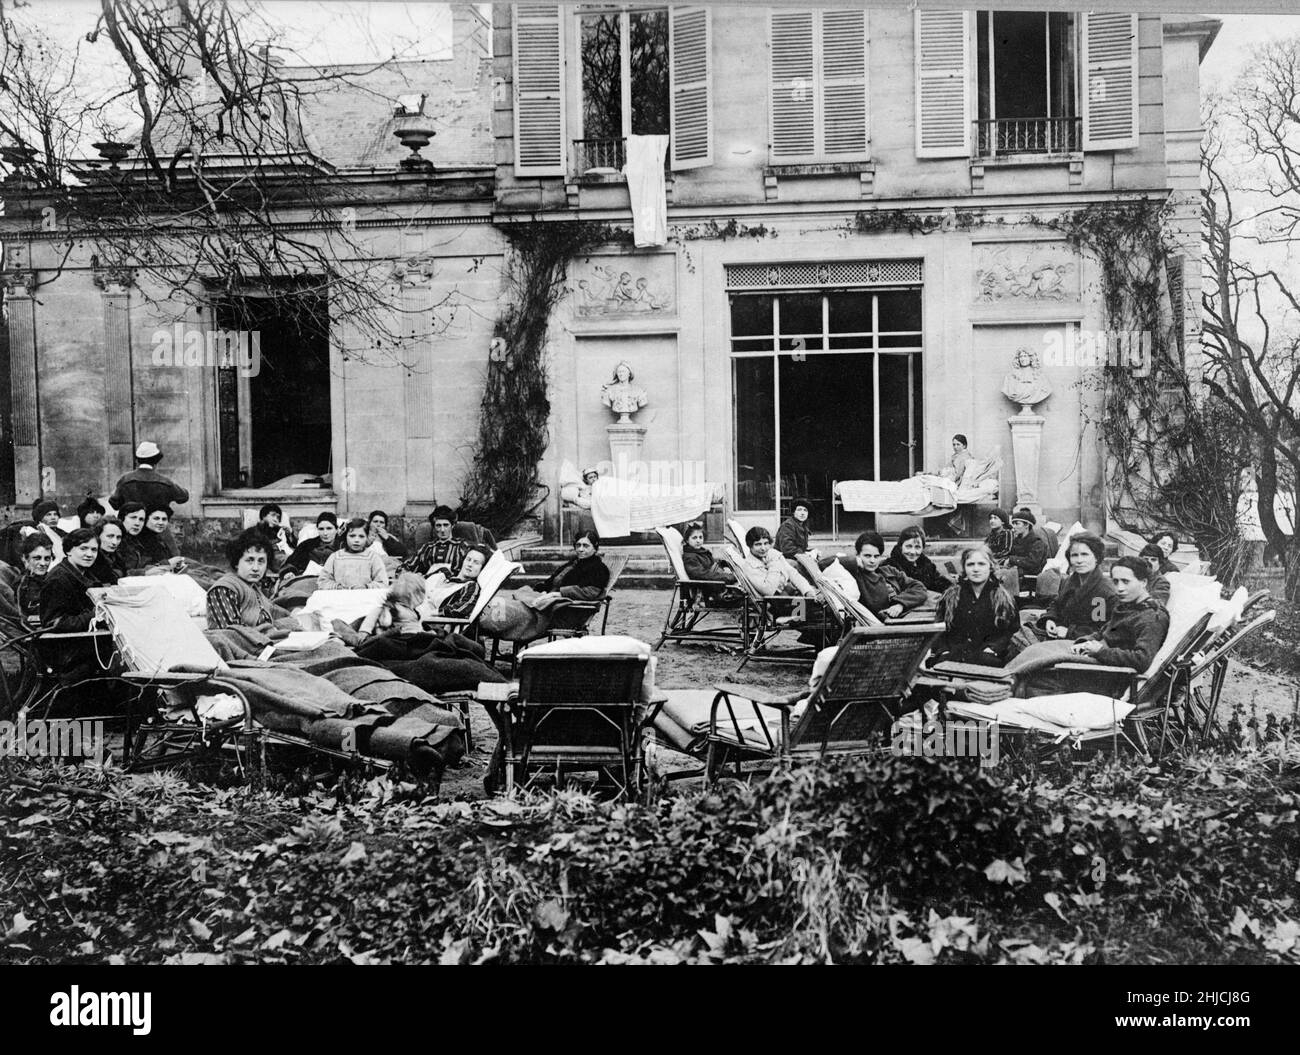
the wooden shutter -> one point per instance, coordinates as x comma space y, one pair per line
540, 147
689, 90
844, 84
943, 84
1110, 104
794, 86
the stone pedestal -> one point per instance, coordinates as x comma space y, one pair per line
1026, 445
625, 442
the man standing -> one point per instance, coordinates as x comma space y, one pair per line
145, 484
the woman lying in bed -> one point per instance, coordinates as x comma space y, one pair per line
236, 599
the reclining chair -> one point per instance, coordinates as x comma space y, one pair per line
691, 617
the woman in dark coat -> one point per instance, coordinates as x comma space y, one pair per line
908, 556
66, 607
1086, 597
583, 578
979, 614
999, 537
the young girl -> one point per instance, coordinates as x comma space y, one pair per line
979, 614
702, 566
354, 567
908, 556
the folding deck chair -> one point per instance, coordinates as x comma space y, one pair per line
851, 710
765, 618
1170, 705
576, 616
577, 708
689, 611
491, 578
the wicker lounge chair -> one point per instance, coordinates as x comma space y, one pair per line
851, 710
577, 708
691, 615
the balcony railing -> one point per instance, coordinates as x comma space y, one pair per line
599, 155
1028, 135
602, 156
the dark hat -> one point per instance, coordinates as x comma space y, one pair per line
1024, 514
801, 502
39, 509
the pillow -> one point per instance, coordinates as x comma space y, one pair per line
1070, 710
841, 578
590, 645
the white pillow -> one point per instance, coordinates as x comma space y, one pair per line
1070, 710
590, 645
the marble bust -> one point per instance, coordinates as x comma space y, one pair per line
621, 395
1025, 383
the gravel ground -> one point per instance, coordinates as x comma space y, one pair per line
640, 613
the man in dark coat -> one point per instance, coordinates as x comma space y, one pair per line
145, 484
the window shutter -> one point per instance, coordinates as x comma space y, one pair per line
844, 84
943, 84
690, 41
539, 90
794, 86
1110, 105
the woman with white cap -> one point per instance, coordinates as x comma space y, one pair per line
145, 484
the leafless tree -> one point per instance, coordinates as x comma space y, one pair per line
215, 184
1251, 305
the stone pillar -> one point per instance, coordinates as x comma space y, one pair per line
625, 442
1026, 444
20, 284
119, 377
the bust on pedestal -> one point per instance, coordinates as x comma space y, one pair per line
1025, 385
625, 437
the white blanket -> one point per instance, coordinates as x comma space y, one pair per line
620, 507
885, 496
646, 187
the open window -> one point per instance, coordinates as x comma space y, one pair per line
1026, 83
624, 56
271, 358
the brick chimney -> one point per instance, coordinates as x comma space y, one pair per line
470, 36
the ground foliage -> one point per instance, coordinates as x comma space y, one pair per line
876, 860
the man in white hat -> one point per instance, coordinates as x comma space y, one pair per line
145, 484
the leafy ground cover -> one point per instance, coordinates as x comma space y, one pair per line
875, 860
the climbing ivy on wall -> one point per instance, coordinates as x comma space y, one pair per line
514, 415
1173, 458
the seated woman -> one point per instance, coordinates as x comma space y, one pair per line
1167, 542
771, 574
108, 566
355, 567
443, 551
90, 512
45, 514
236, 599
979, 614
882, 588
908, 556
158, 521
1086, 596
955, 467
585, 577
281, 538
318, 549
458, 601
1157, 586
792, 535
142, 550
702, 566
66, 606
379, 537
1132, 636
38, 555
998, 540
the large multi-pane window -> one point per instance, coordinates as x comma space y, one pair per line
624, 76
827, 387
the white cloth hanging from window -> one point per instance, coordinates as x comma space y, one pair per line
645, 185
